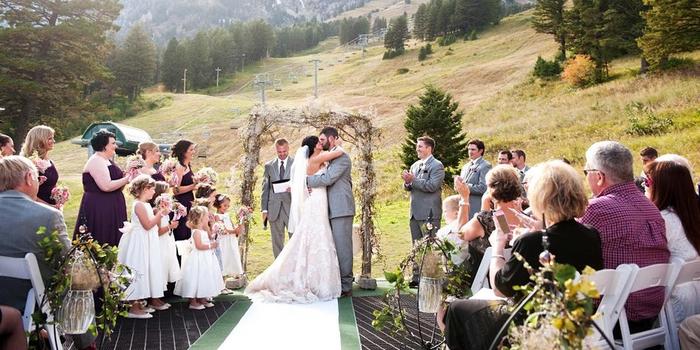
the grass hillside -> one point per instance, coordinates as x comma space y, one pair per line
489, 77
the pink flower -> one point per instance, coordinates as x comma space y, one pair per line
60, 194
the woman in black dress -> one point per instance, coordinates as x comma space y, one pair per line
39, 142
556, 191
184, 151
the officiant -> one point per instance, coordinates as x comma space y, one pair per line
275, 199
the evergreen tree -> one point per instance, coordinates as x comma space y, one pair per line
584, 31
672, 26
379, 23
135, 62
173, 66
51, 52
420, 22
396, 35
199, 65
548, 18
436, 116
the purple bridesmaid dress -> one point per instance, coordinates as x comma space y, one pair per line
182, 232
158, 177
51, 174
102, 212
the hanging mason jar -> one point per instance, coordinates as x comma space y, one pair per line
429, 294
77, 312
82, 271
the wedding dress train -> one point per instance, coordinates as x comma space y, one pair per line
306, 270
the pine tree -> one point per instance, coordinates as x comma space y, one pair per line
173, 66
199, 64
672, 26
420, 22
51, 51
548, 18
135, 62
436, 116
396, 35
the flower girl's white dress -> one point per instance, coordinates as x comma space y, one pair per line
230, 254
168, 255
139, 249
201, 275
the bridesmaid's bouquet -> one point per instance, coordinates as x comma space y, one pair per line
206, 175
179, 210
133, 164
167, 168
219, 229
165, 201
60, 194
41, 164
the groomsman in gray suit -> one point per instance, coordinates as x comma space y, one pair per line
474, 174
275, 206
21, 217
341, 205
424, 181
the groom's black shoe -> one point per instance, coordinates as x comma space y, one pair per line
413, 284
346, 294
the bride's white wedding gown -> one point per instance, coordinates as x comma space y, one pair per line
306, 270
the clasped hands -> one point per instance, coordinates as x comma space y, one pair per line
407, 177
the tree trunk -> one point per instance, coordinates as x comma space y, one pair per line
643, 65
562, 47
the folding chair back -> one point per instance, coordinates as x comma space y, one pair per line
689, 272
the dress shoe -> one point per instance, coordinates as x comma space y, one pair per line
197, 307
347, 293
141, 316
413, 284
209, 304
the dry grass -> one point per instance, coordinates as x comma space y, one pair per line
383, 8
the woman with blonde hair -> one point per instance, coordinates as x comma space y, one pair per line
555, 192
39, 142
150, 153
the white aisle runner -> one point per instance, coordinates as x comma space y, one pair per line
268, 326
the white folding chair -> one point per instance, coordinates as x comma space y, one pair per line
481, 279
27, 269
659, 275
689, 272
613, 285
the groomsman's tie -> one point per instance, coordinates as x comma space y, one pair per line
420, 168
281, 170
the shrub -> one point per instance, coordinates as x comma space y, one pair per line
471, 35
560, 57
447, 40
546, 69
422, 54
428, 48
643, 121
391, 54
402, 71
579, 71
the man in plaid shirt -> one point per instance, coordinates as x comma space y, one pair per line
631, 228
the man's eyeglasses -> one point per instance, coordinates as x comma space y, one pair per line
586, 171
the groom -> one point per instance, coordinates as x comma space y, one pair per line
341, 205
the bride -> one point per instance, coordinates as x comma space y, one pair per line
306, 270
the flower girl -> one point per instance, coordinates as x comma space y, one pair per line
168, 252
201, 275
139, 248
230, 255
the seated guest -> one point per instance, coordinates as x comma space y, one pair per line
556, 192
504, 189
21, 217
670, 188
689, 333
12, 335
454, 215
631, 228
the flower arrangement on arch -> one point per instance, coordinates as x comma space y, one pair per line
244, 214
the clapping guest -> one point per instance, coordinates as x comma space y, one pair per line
424, 181
150, 153
39, 142
556, 192
7, 146
505, 190
670, 188
184, 151
103, 207
474, 174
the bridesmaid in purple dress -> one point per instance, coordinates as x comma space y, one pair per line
103, 208
39, 142
150, 153
184, 150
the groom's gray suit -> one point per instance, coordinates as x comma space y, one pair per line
341, 211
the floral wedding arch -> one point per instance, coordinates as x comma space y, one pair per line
355, 128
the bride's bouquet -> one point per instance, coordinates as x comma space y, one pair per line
133, 164
206, 175
60, 194
167, 168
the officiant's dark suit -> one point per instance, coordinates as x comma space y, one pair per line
276, 205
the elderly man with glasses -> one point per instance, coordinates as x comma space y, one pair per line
631, 228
